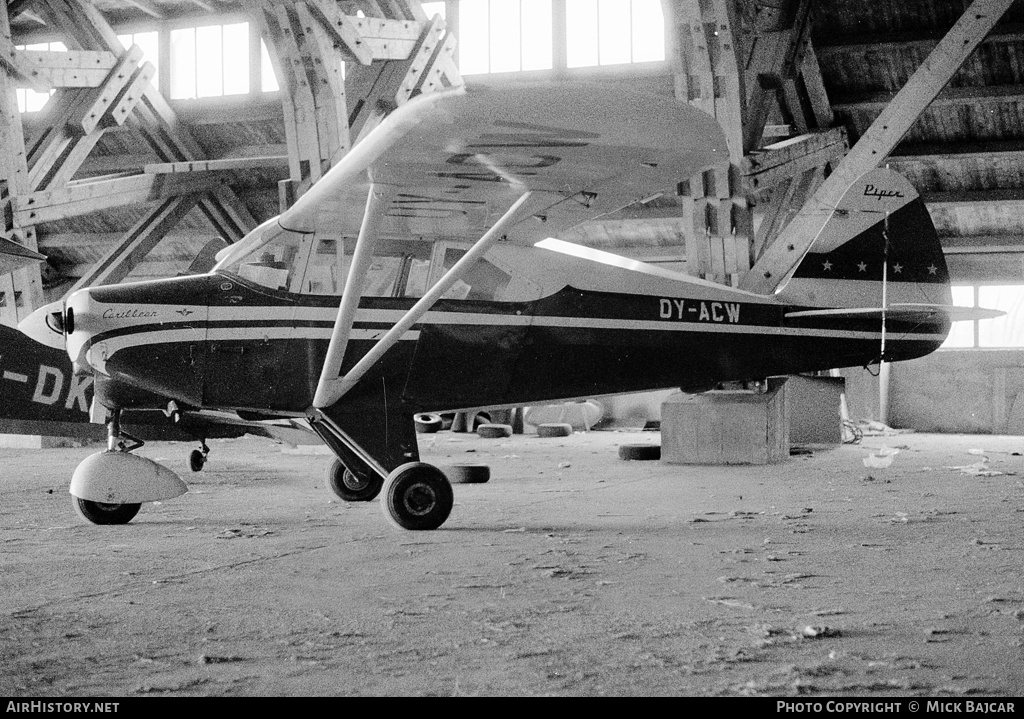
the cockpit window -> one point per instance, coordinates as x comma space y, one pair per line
398, 268
273, 263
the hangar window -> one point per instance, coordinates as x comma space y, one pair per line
31, 100
504, 35
209, 61
149, 43
614, 32
1002, 332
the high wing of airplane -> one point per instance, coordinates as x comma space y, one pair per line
423, 273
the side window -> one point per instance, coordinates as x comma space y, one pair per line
484, 281
328, 268
397, 270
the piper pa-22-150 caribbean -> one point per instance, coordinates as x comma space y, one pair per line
422, 274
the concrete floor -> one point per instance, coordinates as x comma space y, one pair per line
570, 573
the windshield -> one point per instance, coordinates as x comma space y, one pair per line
274, 261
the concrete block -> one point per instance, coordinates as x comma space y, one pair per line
814, 414
726, 427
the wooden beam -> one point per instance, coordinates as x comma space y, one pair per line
87, 29
121, 259
343, 30
147, 7
773, 71
56, 157
231, 163
74, 68
947, 97
769, 166
25, 283
388, 39
878, 141
83, 197
982, 244
975, 198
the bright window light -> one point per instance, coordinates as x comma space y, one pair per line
183, 63
614, 32
268, 80
504, 36
236, 58
474, 32
210, 61
648, 31
1008, 330
581, 35
536, 35
30, 100
961, 334
149, 43
433, 8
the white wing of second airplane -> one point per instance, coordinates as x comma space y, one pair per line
451, 163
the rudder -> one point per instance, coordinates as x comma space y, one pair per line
880, 229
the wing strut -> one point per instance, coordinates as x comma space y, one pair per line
353, 292
332, 387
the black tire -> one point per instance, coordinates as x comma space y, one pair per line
196, 460
351, 487
468, 473
494, 431
554, 429
102, 513
428, 423
417, 496
639, 451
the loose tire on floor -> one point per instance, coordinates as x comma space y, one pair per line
494, 431
349, 486
417, 496
196, 460
428, 423
468, 473
639, 451
554, 429
101, 513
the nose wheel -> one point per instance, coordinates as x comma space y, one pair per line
103, 513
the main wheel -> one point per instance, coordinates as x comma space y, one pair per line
417, 496
350, 487
102, 513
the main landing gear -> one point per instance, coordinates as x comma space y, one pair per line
109, 487
363, 487
415, 495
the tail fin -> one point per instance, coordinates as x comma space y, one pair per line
880, 229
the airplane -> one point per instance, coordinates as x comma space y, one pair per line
422, 273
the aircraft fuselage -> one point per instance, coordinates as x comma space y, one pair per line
217, 341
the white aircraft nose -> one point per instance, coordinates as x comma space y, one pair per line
44, 325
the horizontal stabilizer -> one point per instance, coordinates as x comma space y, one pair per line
904, 311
